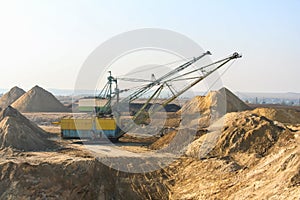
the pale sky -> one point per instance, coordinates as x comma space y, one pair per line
45, 42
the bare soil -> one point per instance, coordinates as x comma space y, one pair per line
252, 156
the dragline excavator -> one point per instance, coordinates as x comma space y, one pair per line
105, 120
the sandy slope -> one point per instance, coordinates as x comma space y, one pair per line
38, 100
11, 96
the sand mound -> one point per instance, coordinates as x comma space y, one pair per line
201, 112
275, 176
243, 132
176, 141
17, 132
38, 100
163, 141
11, 96
196, 104
222, 101
279, 114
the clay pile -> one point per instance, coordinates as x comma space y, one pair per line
11, 96
38, 100
18, 133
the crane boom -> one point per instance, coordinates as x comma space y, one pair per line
234, 56
223, 62
146, 88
